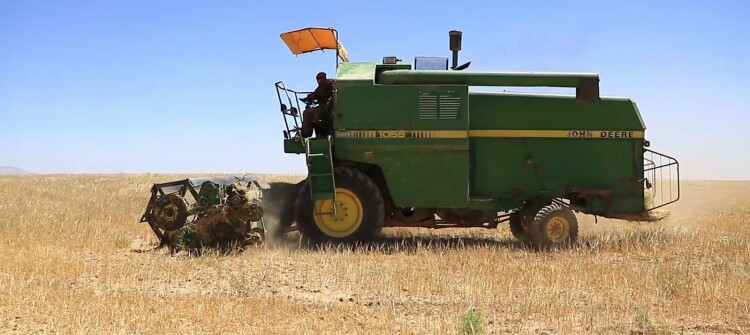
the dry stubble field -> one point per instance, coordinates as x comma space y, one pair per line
70, 264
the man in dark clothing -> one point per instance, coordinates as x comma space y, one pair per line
318, 117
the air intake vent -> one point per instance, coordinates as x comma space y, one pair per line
439, 106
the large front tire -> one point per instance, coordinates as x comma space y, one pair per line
360, 210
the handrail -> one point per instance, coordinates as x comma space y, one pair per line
656, 182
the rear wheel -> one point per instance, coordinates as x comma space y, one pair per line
518, 227
554, 225
521, 220
359, 215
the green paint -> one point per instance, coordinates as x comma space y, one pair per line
292, 146
210, 191
320, 169
475, 78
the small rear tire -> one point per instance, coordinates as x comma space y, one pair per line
520, 221
518, 227
554, 225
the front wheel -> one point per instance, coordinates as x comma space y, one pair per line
359, 210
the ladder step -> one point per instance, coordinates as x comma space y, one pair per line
320, 167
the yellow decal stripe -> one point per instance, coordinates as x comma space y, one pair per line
402, 134
490, 133
558, 133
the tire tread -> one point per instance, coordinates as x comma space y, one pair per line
537, 233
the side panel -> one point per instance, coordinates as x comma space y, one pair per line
532, 166
523, 146
551, 112
417, 135
418, 172
505, 146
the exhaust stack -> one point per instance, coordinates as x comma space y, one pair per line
455, 45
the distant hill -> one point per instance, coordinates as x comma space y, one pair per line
12, 170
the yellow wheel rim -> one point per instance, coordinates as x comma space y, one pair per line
558, 229
348, 215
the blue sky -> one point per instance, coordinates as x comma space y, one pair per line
187, 86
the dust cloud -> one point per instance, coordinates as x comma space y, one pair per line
278, 207
698, 200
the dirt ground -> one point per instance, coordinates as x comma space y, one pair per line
75, 260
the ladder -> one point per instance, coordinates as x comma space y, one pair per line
319, 158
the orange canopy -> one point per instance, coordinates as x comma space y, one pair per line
312, 39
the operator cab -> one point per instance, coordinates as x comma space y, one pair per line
299, 42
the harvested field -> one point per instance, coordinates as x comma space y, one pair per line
74, 261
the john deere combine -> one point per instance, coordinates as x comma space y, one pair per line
410, 145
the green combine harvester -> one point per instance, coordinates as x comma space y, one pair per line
411, 146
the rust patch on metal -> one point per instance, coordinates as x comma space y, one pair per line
516, 191
605, 194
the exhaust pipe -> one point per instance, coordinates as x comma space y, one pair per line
455, 45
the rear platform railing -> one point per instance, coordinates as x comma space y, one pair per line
291, 110
662, 179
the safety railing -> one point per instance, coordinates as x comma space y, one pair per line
291, 110
661, 179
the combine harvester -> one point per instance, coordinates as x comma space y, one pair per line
409, 145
